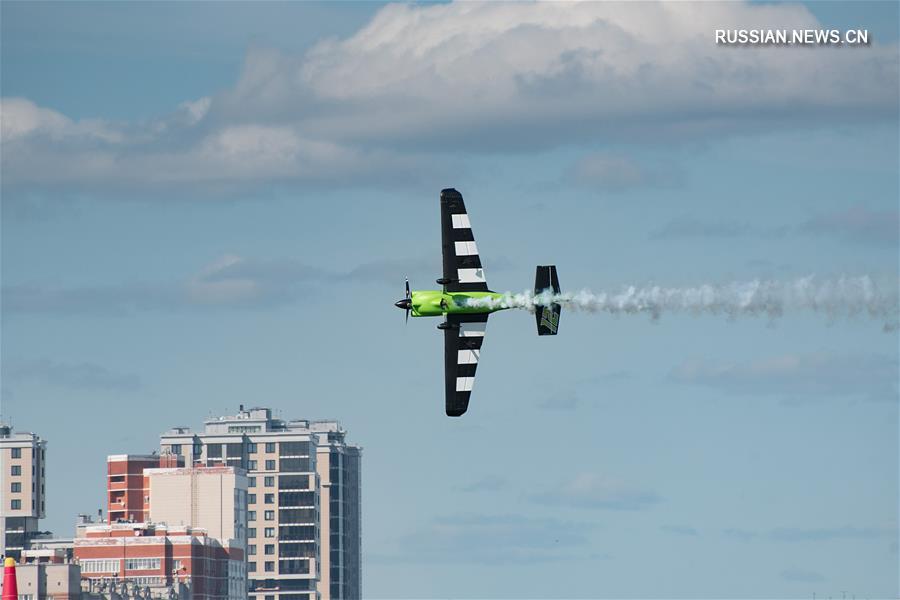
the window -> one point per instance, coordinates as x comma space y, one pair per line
175, 448
293, 482
251, 532
141, 564
214, 451
270, 566
294, 449
270, 481
99, 566
297, 532
297, 515
251, 567
270, 532
251, 550
16, 487
294, 465
243, 428
16, 453
251, 515
270, 548
16, 470
270, 465
297, 499
294, 566
270, 498
251, 465
251, 482
251, 447
15, 504
270, 446
234, 450
270, 515
251, 498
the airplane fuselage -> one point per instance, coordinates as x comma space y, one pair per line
436, 303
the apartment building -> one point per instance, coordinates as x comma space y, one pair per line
159, 558
22, 488
338, 468
297, 547
127, 489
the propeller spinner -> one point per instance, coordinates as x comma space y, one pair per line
406, 303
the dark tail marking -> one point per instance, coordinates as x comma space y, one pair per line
547, 317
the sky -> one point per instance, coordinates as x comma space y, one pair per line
213, 204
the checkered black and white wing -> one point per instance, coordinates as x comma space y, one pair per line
462, 350
462, 265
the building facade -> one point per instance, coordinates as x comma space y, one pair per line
159, 558
338, 468
127, 491
213, 498
48, 581
290, 552
22, 488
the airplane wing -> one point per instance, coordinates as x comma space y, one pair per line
462, 265
462, 349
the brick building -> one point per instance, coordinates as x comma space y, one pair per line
127, 489
160, 556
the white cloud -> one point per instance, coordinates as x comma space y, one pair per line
21, 118
799, 376
592, 491
69, 375
474, 76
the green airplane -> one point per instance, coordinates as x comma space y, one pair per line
465, 302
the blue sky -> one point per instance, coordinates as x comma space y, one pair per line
207, 205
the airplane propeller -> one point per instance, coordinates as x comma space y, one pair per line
408, 300
406, 303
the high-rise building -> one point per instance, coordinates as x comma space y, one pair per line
127, 489
337, 464
303, 534
22, 488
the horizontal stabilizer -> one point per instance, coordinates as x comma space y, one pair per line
547, 317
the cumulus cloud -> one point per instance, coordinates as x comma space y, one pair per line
438, 78
613, 173
560, 401
592, 491
488, 483
690, 227
83, 375
681, 530
798, 376
229, 282
857, 224
813, 534
490, 539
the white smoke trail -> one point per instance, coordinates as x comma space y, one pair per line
842, 297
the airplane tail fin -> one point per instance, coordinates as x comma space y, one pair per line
547, 317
